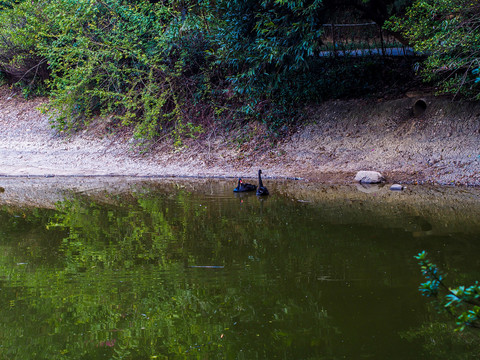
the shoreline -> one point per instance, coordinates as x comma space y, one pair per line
339, 138
448, 210
334, 179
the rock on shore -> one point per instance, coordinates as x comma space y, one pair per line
369, 177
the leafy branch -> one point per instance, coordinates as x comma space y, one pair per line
461, 302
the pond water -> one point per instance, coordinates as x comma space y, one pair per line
173, 270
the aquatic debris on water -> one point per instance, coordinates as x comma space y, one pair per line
207, 266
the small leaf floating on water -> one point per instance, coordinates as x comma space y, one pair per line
207, 266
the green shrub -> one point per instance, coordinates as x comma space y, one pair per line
142, 61
122, 58
267, 46
448, 33
172, 67
20, 61
461, 302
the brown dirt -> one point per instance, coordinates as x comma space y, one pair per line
342, 137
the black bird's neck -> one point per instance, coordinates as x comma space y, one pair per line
260, 183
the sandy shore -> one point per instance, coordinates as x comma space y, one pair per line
442, 146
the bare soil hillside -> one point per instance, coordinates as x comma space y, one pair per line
441, 145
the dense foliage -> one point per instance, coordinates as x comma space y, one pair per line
269, 45
140, 61
272, 50
20, 60
462, 302
448, 32
173, 67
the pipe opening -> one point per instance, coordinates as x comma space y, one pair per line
419, 107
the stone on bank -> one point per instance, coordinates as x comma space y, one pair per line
369, 177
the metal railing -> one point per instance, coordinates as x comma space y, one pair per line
361, 40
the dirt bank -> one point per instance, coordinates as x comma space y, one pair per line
440, 146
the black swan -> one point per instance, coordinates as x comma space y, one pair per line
244, 187
262, 190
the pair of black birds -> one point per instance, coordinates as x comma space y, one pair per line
244, 187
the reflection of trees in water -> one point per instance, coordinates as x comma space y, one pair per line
122, 277
456, 345
121, 281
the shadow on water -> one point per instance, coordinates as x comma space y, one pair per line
179, 269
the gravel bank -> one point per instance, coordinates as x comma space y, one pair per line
441, 146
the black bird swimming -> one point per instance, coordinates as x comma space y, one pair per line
262, 190
244, 187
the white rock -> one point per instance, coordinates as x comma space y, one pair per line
396, 187
369, 177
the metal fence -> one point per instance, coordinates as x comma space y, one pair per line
360, 40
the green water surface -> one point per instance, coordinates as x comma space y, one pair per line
174, 271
